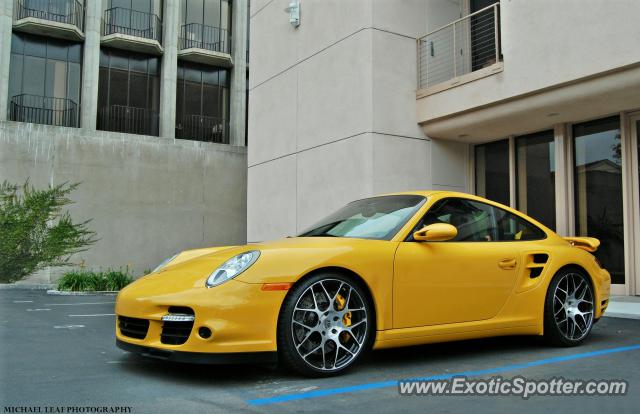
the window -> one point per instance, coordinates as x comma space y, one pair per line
377, 218
598, 190
479, 222
206, 24
140, 18
492, 171
44, 80
483, 45
128, 92
535, 164
202, 103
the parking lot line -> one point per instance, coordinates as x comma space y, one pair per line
394, 383
95, 314
77, 304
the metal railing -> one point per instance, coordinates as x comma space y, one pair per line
43, 110
59, 11
120, 118
200, 36
203, 128
463, 46
132, 23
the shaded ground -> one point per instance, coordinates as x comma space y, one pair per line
50, 358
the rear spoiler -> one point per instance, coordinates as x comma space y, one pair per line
589, 244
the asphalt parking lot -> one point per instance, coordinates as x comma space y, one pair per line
60, 351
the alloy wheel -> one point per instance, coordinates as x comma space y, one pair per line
573, 306
329, 324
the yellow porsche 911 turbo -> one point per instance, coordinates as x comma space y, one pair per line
394, 270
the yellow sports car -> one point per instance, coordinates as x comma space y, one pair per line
389, 271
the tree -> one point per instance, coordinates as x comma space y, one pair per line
35, 232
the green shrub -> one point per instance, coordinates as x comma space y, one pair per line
35, 232
84, 280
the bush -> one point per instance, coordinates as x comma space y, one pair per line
35, 232
85, 280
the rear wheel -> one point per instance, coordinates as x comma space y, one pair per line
325, 325
569, 308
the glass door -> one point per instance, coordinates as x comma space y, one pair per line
635, 199
598, 190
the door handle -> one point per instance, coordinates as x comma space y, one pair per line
508, 263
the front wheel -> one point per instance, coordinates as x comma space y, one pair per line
326, 323
569, 308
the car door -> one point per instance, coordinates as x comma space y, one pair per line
468, 278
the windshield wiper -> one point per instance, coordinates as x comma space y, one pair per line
321, 235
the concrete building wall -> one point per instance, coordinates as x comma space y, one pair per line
148, 197
332, 111
572, 52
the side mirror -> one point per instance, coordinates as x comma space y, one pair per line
436, 232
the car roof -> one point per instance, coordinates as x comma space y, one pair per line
427, 193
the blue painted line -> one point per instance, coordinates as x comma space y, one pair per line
394, 383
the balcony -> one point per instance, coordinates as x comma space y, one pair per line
205, 44
203, 128
128, 119
43, 110
132, 30
460, 52
63, 19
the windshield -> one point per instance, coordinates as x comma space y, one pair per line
372, 218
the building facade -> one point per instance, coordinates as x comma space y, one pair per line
144, 103
535, 104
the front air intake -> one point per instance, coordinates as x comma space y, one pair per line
177, 325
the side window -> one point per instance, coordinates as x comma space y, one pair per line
478, 222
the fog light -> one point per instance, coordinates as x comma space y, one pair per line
204, 332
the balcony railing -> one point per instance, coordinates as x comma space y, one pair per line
203, 128
132, 23
195, 35
59, 11
463, 46
119, 118
43, 110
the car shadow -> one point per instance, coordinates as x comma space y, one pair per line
396, 362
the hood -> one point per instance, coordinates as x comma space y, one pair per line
282, 260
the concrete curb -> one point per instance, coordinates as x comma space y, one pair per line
622, 315
26, 286
92, 293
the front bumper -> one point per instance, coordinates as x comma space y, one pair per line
200, 357
241, 316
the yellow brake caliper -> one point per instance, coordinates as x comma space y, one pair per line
346, 318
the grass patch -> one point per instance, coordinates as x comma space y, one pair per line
86, 280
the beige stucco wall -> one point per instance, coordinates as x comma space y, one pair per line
332, 111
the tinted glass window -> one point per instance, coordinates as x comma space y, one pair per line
492, 171
128, 92
477, 222
202, 103
536, 175
598, 190
372, 218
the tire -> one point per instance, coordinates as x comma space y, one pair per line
569, 308
320, 312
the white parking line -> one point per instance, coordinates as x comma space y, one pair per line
77, 304
95, 314
37, 310
22, 301
68, 326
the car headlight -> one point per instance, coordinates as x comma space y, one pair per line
164, 263
232, 268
